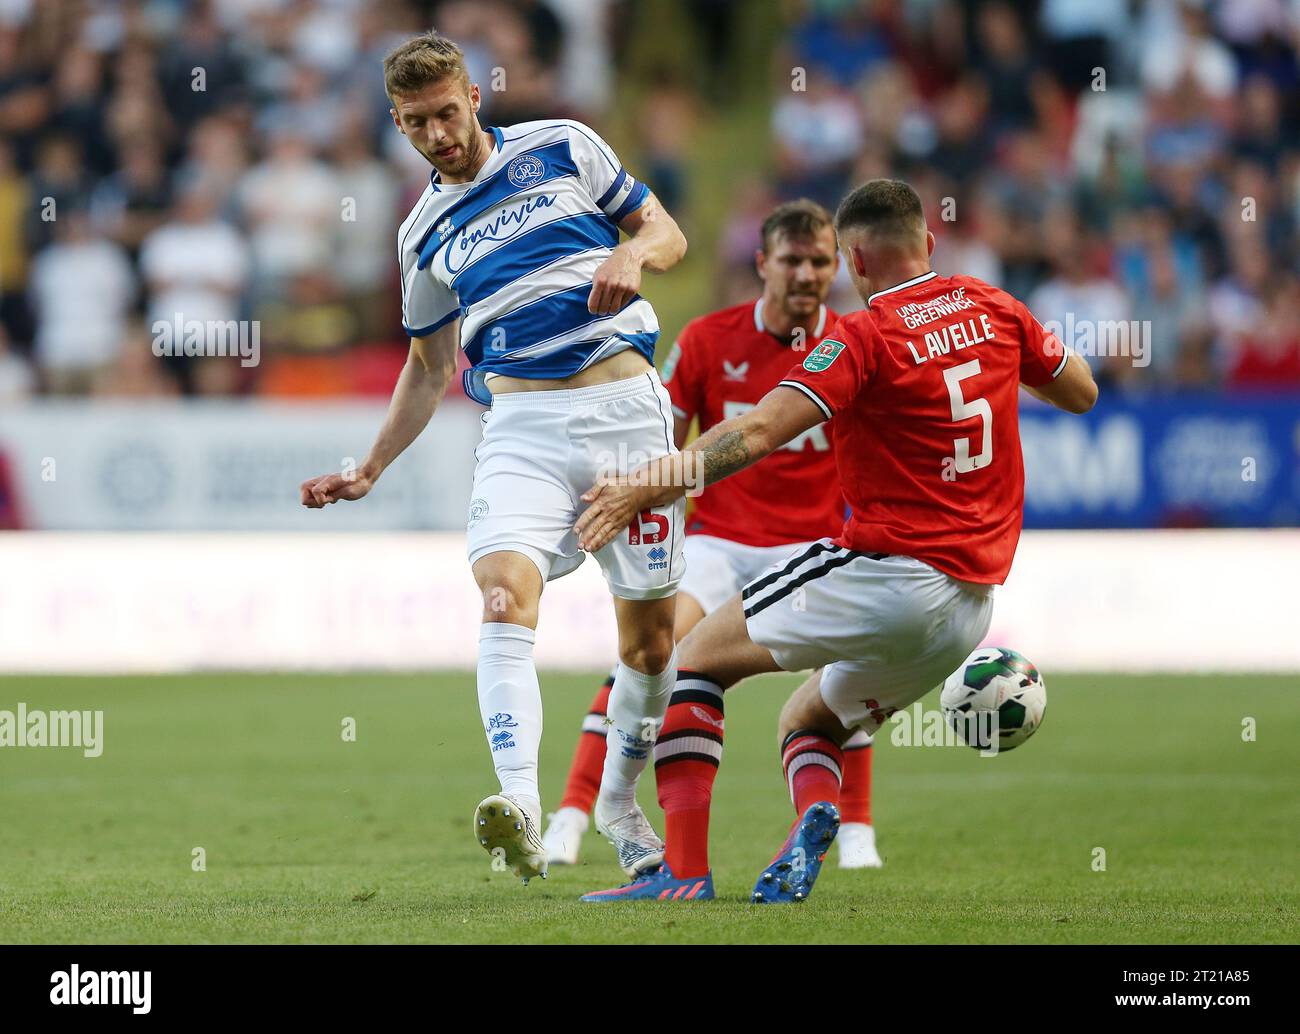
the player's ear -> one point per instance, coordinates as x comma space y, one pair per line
760, 263
475, 98
859, 266
397, 121
929, 243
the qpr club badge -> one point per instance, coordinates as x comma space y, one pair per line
525, 170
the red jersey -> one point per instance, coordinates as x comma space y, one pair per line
720, 366
924, 386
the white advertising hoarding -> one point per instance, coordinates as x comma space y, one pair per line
227, 466
1076, 601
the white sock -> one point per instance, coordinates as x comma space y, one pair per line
635, 711
510, 702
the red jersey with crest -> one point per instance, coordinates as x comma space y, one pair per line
720, 366
924, 387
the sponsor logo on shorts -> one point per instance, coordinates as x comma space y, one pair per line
821, 357
658, 559
478, 509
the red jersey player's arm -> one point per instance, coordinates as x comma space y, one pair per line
420, 387
1073, 390
782, 415
1048, 370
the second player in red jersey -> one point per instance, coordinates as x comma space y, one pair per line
720, 367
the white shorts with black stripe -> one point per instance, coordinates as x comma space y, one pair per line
717, 568
542, 449
888, 629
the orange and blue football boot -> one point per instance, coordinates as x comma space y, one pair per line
659, 885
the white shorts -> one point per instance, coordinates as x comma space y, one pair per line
542, 449
717, 568
888, 629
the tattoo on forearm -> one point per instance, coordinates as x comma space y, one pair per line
725, 456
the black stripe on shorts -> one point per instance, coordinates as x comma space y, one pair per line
762, 583
830, 565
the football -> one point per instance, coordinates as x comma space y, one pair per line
995, 700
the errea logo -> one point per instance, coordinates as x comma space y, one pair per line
124, 987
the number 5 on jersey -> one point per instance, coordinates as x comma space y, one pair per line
964, 409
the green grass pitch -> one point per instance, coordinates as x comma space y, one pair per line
309, 838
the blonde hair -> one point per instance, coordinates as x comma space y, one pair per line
421, 61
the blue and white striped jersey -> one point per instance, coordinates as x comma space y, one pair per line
512, 253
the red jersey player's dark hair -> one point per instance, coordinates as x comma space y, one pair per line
799, 218
887, 207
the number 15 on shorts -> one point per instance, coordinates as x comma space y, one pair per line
648, 528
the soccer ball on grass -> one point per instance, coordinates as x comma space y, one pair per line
995, 700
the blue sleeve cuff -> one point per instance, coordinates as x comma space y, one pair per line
606, 197
634, 201
426, 331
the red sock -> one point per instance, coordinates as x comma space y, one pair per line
589, 757
813, 767
855, 794
687, 754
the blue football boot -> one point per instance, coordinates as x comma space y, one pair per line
791, 874
658, 885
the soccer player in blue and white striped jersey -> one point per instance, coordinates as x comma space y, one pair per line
513, 255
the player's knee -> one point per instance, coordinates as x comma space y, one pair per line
505, 599
805, 710
652, 655
789, 720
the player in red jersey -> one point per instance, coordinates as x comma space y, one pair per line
923, 385
721, 366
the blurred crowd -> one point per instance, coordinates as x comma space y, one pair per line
1105, 160
235, 160
1102, 160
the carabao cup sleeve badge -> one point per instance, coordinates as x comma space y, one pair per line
823, 355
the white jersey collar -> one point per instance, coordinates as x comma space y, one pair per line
758, 319
486, 169
904, 285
